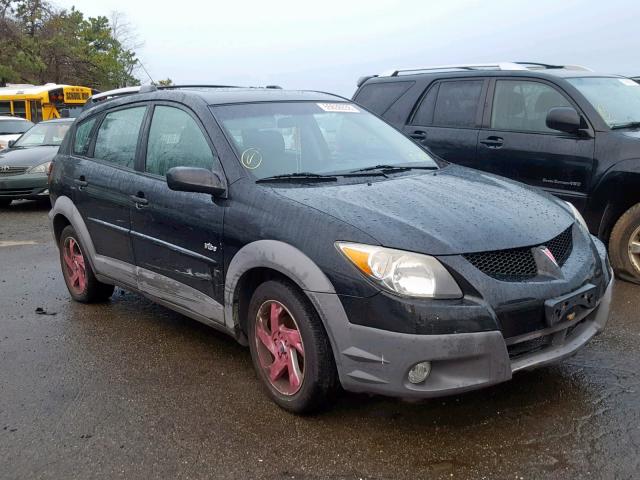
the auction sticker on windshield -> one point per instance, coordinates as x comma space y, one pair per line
338, 107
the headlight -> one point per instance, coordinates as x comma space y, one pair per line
400, 272
42, 168
578, 216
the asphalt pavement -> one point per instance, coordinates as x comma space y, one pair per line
132, 390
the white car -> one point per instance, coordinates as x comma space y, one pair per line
11, 128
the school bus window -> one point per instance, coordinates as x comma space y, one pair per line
5, 108
36, 111
19, 109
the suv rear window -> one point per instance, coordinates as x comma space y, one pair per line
378, 97
457, 103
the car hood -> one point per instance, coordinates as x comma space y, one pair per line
27, 157
452, 211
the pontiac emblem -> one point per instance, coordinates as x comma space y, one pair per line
549, 255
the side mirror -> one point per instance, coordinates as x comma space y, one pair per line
565, 119
11, 143
201, 180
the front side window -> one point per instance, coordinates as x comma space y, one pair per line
175, 140
83, 132
43, 134
617, 100
524, 105
279, 138
457, 104
117, 137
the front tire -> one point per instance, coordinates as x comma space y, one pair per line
5, 202
290, 349
624, 245
77, 272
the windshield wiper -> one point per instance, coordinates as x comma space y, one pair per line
625, 125
294, 176
393, 168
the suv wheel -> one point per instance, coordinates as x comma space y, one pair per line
290, 349
78, 275
4, 202
624, 245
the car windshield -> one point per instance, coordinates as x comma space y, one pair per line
14, 127
617, 100
43, 134
314, 138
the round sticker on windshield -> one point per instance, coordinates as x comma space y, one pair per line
251, 158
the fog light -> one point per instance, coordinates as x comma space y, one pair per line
419, 372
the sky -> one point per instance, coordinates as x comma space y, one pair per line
327, 45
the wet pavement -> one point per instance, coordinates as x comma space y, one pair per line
132, 390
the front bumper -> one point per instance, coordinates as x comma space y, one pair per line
378, 361
23, 186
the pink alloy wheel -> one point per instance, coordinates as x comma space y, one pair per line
74, 268
280, 348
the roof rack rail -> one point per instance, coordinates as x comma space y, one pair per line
481, 66
546, 66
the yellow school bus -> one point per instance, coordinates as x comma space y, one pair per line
41, 102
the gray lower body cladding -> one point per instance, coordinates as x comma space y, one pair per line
377, 361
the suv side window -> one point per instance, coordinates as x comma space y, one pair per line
457, 103
117, 137
83, 136
176, 140
523, 105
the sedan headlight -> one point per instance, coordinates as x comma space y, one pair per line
42, 168
404, 273
578, 216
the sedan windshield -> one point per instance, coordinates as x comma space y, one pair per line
617, 100
14, 127
312, 138
43, 134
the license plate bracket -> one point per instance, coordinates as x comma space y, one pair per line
563, 308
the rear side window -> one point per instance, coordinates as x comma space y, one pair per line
82, 139
457, 103
175, 140
523, 105
378, 97
118, 136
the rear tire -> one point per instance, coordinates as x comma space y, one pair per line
624, 245
4, 202
77, 272
295, 349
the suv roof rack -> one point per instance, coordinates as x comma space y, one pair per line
482, 66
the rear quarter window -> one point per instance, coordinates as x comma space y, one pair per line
83, 136
378, 97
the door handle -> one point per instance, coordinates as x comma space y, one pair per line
139, 200
419, 135
493, 142
81, 182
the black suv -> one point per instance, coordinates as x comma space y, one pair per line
337, 249
570, 131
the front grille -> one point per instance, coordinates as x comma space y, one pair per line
519, 264
7, 171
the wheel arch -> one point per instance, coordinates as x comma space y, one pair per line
64, 213
271, 259
616, 193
